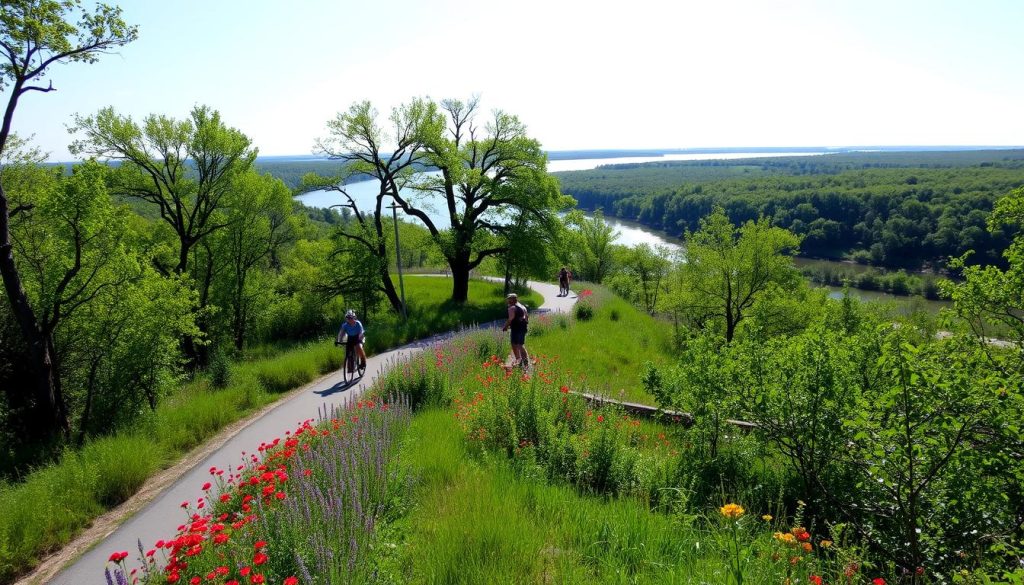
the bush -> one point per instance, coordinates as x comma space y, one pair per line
220, 369
584, 311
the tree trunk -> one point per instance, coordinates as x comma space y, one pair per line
240, 311
460, 277
390, 291
48, 407
90, 391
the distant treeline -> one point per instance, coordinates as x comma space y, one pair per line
913, 209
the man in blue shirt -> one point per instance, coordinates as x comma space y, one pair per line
356, 335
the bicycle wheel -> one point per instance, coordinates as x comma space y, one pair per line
347, 373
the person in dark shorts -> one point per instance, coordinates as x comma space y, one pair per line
564, 276
352, 330
518, 319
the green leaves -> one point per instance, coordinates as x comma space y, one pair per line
728, 269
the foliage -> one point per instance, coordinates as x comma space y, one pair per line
934, 467
641, 277
993, 296
728, 269
185, 168
493, 181
588, 247
33, 36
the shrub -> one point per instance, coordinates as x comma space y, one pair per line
220, 369
583, 310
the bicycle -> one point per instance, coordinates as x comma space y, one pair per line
352, 367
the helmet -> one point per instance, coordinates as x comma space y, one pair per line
350, 313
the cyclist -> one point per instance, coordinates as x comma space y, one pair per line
356, 335
518, 319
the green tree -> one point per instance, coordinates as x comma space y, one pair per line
35, 34
489, 178
186, 168
591, 243
357, 138
728, 269
259, 223
641, 275
934, 445
991, 296
71, 250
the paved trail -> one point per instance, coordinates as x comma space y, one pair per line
159, 518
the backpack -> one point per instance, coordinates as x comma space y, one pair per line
521, 314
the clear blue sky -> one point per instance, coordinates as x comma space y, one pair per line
594, 74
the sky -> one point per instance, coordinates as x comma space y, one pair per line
581, 75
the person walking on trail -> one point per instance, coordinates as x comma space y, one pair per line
564, 277
518, 319
352, 328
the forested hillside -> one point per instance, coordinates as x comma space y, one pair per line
894, 209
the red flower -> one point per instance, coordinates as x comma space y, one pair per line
260, 544
259, 559
564, 389
257, 578
206, 486
815, 579
600, 418
291, 581
118, 557
878, 581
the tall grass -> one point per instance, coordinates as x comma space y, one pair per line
483, 521
45, 511
609, 349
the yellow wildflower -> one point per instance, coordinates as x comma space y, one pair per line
767, 517
825, 543
733, 511
785, 538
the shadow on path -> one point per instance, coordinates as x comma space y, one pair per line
339, 387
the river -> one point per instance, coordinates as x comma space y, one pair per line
629, 233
